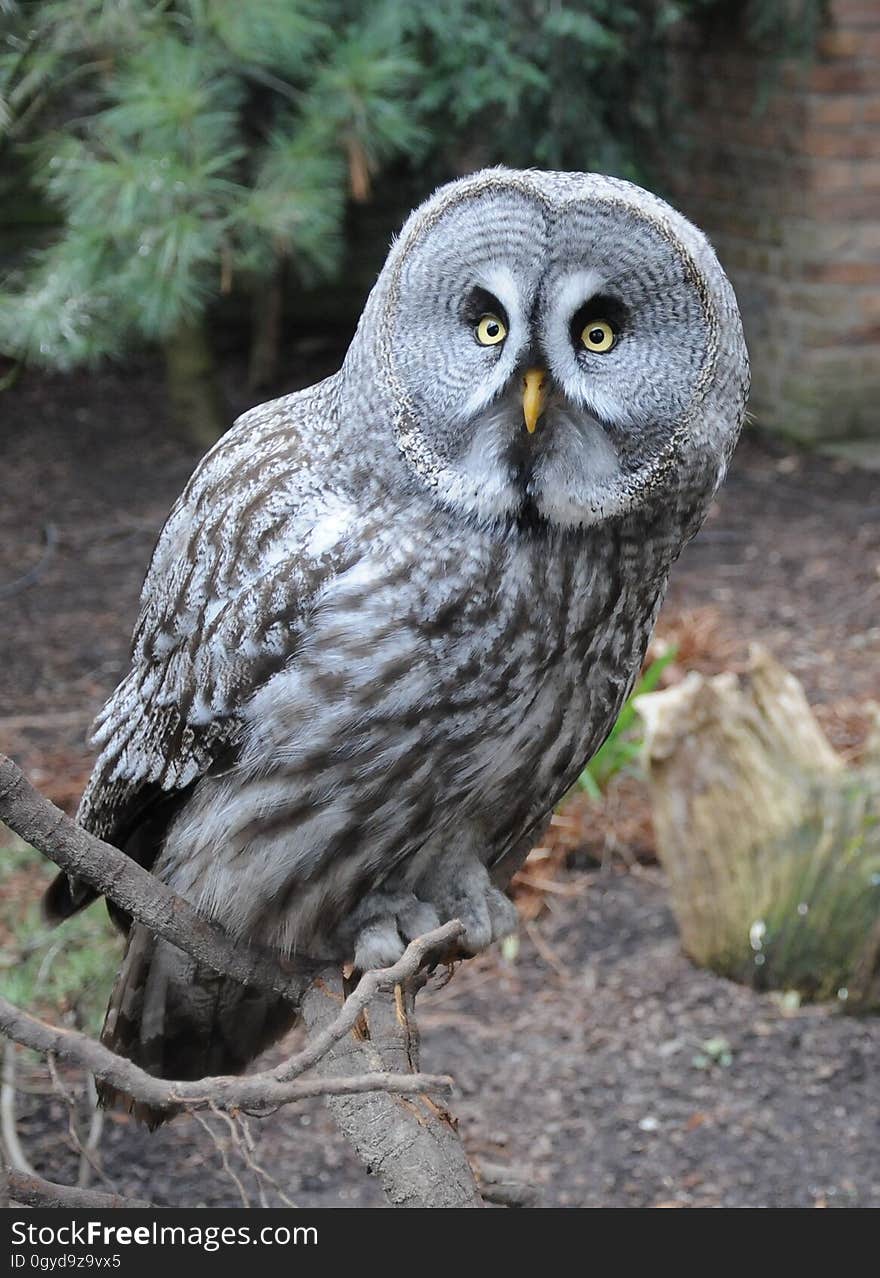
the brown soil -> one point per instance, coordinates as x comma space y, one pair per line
577, 1061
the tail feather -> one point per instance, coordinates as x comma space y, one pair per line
177, 1019
64, 897
135, 822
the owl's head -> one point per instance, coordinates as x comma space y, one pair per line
558, 344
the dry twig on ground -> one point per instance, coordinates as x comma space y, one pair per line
33, 1191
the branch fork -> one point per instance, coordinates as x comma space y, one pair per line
372, 1081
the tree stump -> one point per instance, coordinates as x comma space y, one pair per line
770, 842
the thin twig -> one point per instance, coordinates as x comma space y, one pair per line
546, 951
258, 1170
221, 1150
237, 1143
256, 1092
240, 1145
8, 1122
438, 941
46, 719
31, 1190
89, 1155
86, 1157
418, 1129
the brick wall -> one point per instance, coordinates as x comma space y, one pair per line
781, 167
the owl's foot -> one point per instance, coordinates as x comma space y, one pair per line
456, 888
460, 888
384, 924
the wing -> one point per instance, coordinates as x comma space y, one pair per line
247, 549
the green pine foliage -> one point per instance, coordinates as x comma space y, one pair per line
186, 148
191, 147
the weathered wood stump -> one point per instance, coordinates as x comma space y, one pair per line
771, 843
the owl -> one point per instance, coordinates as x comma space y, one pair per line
393, 615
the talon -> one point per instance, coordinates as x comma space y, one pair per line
400, 1007
463, 890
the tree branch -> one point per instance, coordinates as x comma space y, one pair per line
33, 1191
370, 984
255, 1092
412, 1142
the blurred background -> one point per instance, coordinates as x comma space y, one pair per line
195, 197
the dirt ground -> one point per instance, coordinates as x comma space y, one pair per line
582, 1064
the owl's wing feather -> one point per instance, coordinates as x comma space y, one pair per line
236, 569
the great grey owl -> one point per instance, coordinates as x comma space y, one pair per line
393, 615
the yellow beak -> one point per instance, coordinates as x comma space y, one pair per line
534, 396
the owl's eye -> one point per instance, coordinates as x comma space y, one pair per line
598, 336
490, 330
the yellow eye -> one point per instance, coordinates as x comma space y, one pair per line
490, 330
598, 336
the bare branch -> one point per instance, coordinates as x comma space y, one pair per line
224, 1157
8, 1122
88, 1158
438, 941
33, 1191
412, 1144
257, 1092
248, 1150
414, 1141
152, 903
